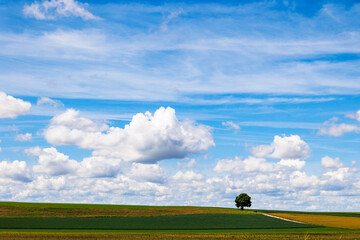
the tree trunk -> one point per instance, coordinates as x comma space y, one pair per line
242, 207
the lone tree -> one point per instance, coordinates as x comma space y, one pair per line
243, 200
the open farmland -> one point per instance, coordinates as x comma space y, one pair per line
14, 209
180, 222
87, 221
119, 217
350, 222
340, 214
180, 236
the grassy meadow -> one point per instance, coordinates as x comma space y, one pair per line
91, 221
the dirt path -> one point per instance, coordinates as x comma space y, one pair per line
285, 219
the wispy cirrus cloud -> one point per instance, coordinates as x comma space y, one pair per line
49, 102
231, 125
50, 10
303, 57
170, 17
354, 115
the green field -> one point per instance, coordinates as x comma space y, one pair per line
180, 222
77, 221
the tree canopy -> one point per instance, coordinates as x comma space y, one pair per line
243, 200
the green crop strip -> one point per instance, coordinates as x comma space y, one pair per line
180, 222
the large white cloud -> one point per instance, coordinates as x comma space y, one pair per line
284, 187
337, 130
187, 163
147, 138
23, 137
52, 162
293, 186
292, 147
11, 107
47, 183
339, 174
147, 173
16, 171
98, 167
57, 8
55, 177
339, 178
256, 165
331, 128
329, 162
251, 164
187, 176
302, 180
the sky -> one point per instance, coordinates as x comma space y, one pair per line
181, 103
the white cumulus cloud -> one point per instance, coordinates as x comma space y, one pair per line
23, 137
292, 147
11, 107
57, 8
292, 163
329, 162
147, 173
337, 130
147, 138
46, 184
256, 165
187, 176
251, 164
302, 180
98, 167
187, 163
16, 171
52, 162
340, 174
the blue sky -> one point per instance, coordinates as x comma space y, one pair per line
191, 103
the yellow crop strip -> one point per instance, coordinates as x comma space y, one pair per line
324, 220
